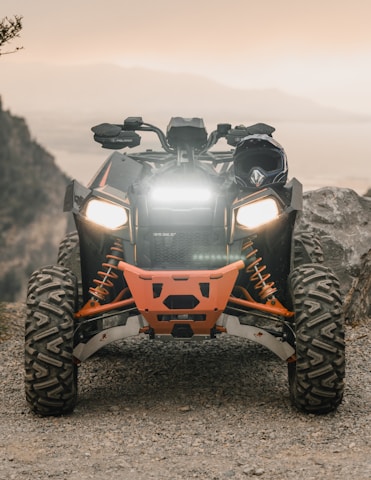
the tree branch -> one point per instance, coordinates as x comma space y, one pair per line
9, 29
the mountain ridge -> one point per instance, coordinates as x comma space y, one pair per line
103, 88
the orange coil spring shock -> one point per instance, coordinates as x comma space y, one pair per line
101, 290
266, 289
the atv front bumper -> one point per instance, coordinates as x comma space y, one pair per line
182, 304
185, 300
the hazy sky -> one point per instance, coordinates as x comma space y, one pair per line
317, 48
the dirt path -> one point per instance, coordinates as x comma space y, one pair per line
213, 410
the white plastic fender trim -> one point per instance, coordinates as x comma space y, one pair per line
233, 326
82, 351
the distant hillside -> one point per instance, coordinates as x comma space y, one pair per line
105, 89
31, 199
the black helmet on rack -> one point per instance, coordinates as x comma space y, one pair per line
258, 161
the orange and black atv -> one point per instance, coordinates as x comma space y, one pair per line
186, 243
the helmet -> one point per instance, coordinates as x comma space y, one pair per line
258, 161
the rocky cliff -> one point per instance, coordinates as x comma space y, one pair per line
31, 196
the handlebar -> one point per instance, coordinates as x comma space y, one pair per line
182, 134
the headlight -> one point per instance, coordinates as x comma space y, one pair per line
180, 196
106, 214
257, 213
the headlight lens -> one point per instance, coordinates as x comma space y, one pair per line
257, 213
106, 214
180, 196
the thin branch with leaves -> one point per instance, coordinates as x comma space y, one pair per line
9, 30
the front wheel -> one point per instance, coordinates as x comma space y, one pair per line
50, 371
316, 378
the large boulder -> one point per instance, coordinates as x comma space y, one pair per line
342, 220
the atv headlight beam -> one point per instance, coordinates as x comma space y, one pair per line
255, 214
106, 214
179, 195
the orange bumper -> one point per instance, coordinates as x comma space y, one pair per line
177, 298
182, 302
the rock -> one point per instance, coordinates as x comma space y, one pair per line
259, 471
250, 470
357, 304
342, 220
185, 408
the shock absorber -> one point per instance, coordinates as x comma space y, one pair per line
107, 274
266, 290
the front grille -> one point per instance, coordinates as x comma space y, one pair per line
187, 249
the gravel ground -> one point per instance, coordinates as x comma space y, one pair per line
212, 410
